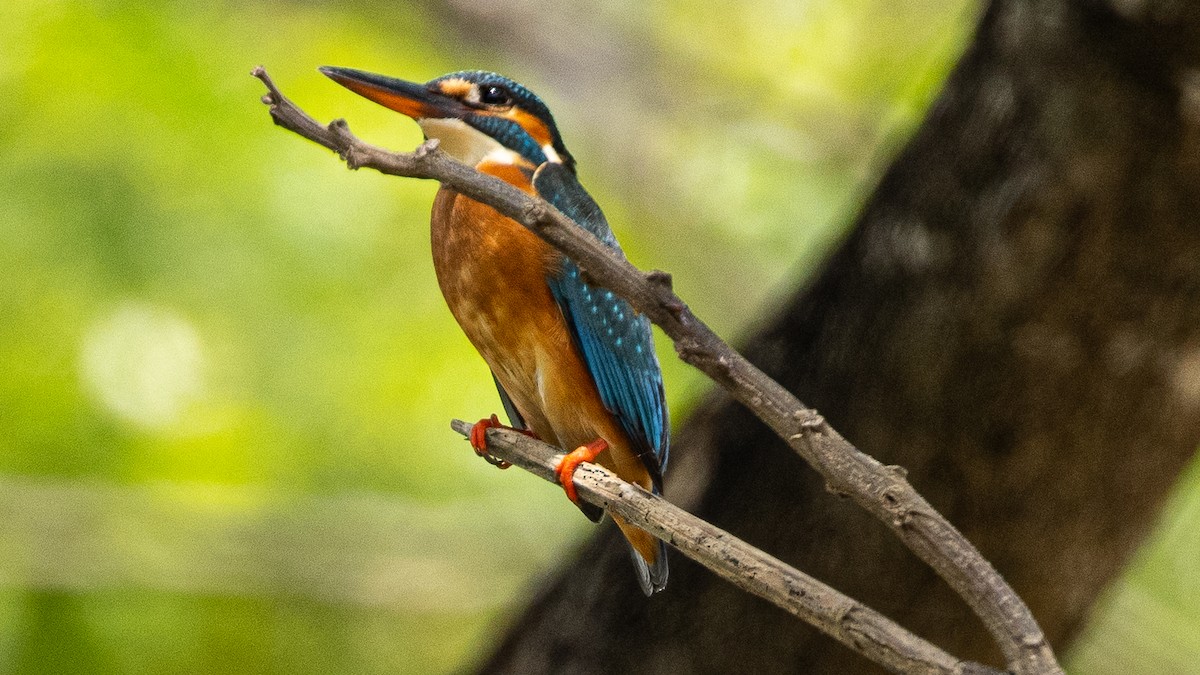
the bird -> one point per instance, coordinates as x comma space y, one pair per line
573, 362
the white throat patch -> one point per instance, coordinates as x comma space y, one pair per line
466, 143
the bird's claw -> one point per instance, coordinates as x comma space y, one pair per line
478, 439
565, 471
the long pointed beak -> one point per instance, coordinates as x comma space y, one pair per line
409, 98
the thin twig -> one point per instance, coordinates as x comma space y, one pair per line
881, 490
845, 619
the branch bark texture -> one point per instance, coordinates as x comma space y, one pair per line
883, 491
860, 628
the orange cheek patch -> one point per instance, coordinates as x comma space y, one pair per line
532, 125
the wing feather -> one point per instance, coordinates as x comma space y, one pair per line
615, 341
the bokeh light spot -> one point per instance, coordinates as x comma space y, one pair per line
144, 364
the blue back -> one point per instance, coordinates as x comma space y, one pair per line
614, 339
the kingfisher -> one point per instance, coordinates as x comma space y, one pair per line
573, 362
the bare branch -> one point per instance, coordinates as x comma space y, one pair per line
855, 625
882, 491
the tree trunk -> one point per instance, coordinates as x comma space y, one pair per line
1015, 319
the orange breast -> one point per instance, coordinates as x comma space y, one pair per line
492, 272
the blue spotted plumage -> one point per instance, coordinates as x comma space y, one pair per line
615, 340
617, 347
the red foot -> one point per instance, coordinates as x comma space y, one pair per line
571, 461
479, 440
479, 432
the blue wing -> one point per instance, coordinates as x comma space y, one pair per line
614, 339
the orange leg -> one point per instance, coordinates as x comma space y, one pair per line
479, 432
479, 439
571, 461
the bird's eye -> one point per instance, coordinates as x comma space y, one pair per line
494, 95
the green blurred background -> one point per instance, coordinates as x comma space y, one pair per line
227, 371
